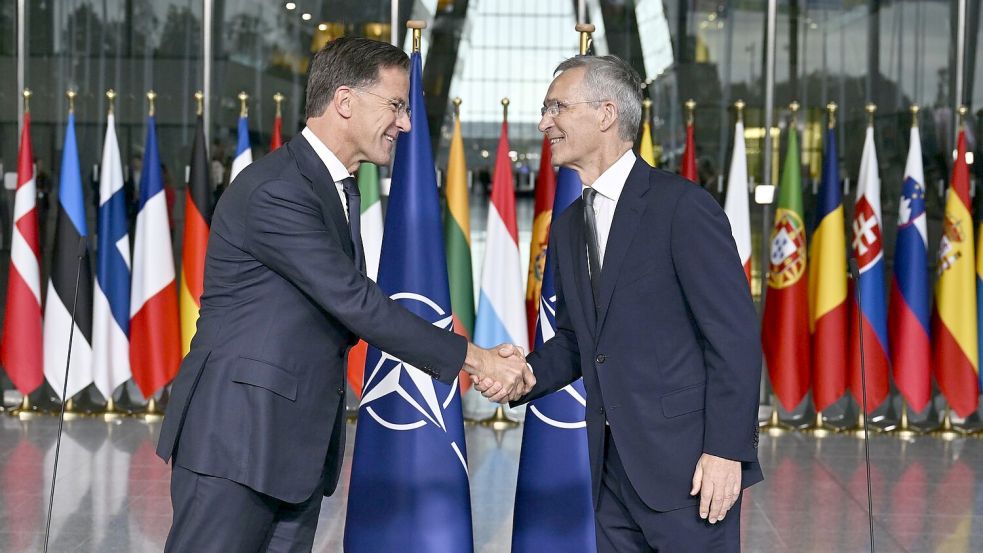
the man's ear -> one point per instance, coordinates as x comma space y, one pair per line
609, 115
342, 101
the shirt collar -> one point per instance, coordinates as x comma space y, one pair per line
612, 180
335, 167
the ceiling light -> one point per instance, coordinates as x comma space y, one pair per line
306, 16
290, 5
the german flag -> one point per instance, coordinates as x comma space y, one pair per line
197, 218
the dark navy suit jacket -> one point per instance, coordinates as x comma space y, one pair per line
260, 398
672, 362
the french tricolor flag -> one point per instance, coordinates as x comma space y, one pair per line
244, 153
501, 316
911, 353
155, 336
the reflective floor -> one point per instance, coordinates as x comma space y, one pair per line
112, 491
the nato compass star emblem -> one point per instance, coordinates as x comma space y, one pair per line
547, 323
391, 376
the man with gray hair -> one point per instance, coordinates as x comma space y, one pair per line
653, 310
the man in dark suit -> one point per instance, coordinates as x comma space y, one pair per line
654, 311
255, 425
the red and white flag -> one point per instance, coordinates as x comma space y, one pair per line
736, 204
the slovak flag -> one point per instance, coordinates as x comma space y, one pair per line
244, 153
554, 512
409, 482
868, 251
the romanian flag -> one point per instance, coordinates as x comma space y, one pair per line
827, 285
197, 220
955, 341
543, 214
785, 327
868, 250
908, 314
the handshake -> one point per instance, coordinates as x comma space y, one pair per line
500, 373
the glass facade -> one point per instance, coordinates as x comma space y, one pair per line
891, 52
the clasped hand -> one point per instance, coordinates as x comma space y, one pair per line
500, 373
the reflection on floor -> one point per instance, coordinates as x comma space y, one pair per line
112, 493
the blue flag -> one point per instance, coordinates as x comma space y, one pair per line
553, 506
409, 484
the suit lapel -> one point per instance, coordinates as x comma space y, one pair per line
577, 254
624, 225
313, 169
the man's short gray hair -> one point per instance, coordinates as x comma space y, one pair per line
611, 78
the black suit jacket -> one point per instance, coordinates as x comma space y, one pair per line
672, 362
260, 398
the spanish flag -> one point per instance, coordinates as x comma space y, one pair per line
646, 148
827, 284
543, 214
956, 361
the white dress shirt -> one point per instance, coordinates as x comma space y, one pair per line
609, 186
336, 168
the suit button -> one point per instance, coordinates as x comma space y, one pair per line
341, 391
601, 410
600, 358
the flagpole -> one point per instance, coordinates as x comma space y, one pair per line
585, 30
499, 420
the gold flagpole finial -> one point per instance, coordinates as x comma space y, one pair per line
457, 106
739, 107
278, 98
915, 108
585, 30
831, 109
690, 109
963, 110
71, 94
505, 109
152, 97
647, 106
27, 100
870, 108
417, 27
199, 102
111, 97
243, 108
794, 109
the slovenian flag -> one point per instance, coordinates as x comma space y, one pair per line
111, 303
155, 334
70, 243
554, 512
409, 483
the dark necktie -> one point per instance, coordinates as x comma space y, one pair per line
593, 250
354, 220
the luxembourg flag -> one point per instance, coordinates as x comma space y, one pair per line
244, 154
736, 204
554, 512
909, 314
501, 316
868, 251
111, 301
155, 335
